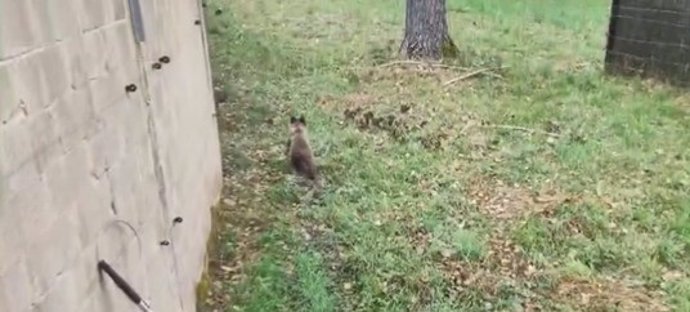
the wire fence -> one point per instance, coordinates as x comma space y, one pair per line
650, 38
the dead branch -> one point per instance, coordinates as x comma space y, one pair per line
523, 129
412, 62
488, 71
446, 66
468, 157
466, 76
403, 62
494, 75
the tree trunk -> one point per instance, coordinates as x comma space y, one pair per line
426, 31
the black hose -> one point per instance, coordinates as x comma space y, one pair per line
120, 282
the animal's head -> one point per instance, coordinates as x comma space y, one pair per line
297, 124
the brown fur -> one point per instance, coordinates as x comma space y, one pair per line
299, 149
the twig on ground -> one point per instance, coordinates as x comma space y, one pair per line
470, 75
446, 66
403, 62
468, 157
466, 127
518, 128
495, 75
412, 62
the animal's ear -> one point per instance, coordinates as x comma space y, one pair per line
302, 120
293, 119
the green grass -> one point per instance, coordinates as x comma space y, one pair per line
452, 215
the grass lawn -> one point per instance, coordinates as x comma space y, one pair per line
539, 185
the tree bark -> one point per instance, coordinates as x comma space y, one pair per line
426, 31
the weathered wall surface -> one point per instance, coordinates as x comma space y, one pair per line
650, 37
81, 160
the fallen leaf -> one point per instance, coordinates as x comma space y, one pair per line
226, 268
446, 253
672, 275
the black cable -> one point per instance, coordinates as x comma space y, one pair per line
123, 285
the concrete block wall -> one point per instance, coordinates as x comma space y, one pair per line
650, 38
89, 171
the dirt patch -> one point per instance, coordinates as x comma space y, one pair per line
403, 120
506, 266
464, 276
504, 263
404, 73
503, 268
237, 242
360, 109
608, 294
508, 259
683, 102
243, 214
502, 201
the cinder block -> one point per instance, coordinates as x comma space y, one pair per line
116, 240
54, 72
67, 175
105, 302
134, 262
153, 218
25, 189
107, 90
94, 14
16, 32
93, 53
14, 150
89, 285
105, 149
28, 209
76, 187
76, 57
62, 207
164, 293
15, 288
86, 270
24, 176
74, 112
92, 128
119, 247
11, 239
40, 21
62, 19
53, 251
29, 83
93, 209
43, 139
107, 298
119, 9
135, 134
9, 103
60, 185
123, 189
121, 53
63, 295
